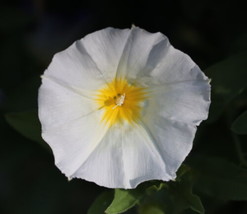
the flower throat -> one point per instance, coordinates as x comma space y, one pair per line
121, 101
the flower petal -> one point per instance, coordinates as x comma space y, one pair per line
175, 66
125, 157
93, 58
59, 103
139, 55
143, 160
106, 47
74, 67
104, 165
150, 55
70, 124
186, 101
172, 139
73, 142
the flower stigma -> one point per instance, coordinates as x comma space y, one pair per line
121, 101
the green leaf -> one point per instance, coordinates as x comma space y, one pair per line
124, 200
183, 198
155, 188
186, 199
150, 209
183, 170
181, 195
173, 197
228, 81
27, 124
101, 203
220, 179
239, 126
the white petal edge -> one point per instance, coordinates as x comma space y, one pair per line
106, 48
70, 124
60, 104
151, 56
125, 157
137, 51
94, 58
75, 141
186, 101
173, 140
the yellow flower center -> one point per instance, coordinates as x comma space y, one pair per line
121, 101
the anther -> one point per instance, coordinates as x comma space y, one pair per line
119, 100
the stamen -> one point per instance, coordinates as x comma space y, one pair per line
119, 100
113, 100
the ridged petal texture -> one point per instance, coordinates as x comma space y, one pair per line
120, 107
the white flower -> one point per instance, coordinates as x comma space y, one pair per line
120, 107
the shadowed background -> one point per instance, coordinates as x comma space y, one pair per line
32, 32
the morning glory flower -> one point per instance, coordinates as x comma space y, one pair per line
120, 107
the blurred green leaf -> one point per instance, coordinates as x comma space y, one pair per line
27, 124
228, 81
173, 197
101, 203
183, 170
239, 126
156, 187
220, 178
150, 209
181, 193
184, 198
124, 200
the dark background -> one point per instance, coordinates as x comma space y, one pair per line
32, 31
